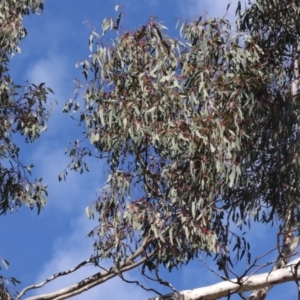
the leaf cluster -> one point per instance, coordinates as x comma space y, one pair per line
22, 110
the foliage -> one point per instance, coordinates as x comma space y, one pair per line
273, 27
197, 132
22, 110
5, 293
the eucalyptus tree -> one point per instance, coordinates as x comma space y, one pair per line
22, 111
198, 132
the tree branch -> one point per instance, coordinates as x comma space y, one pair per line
288, 273
91, 281
287, 251
35, 286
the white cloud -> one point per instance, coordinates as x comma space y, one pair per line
53, 70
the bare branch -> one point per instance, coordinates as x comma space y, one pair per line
35, 286
256, 282
93, 280
287, 251
139, 284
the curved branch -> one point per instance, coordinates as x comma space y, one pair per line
91, 281
35, 286
288, 273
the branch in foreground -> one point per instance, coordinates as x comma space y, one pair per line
87, 283
288, 249
249, 283
35, 286
93, 280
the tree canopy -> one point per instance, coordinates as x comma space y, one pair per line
198, 132
203, 126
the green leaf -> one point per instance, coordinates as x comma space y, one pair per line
5, 263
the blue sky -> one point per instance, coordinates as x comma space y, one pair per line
39, 245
